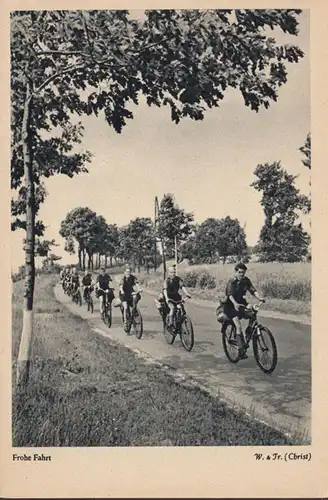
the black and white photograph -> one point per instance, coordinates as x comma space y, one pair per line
161, 230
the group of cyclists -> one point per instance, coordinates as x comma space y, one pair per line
232, 308
129, 289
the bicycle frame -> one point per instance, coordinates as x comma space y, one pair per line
88, 292
178, 314
106, 301
253, 323
128, 309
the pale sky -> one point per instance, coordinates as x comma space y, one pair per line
208, 164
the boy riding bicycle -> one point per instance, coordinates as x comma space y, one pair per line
74, 280
87, 283
104, 286
234, 306
171, 288
128, 295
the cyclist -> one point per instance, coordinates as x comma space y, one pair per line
87, 283
62, 275
74, 280
127, 285
234, 305
172, 286
104, 285
67, 278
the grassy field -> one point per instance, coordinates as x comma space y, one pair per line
88, 391
287, 287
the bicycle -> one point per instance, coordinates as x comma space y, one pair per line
66, 287
88, 299
76, 296
181, 325
255, 333
106, 315
133, 319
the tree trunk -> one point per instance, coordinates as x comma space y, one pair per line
83, 256
25, 348
80, 260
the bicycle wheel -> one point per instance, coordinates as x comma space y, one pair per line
187, 333
108, 316
229, 341
265, 349
79, 298
169, 334
138, 324
90, 304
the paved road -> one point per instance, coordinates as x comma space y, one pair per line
283, 398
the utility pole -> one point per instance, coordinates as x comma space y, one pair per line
160, 239
155, 224
176, 252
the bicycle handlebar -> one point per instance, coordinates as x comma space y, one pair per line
177, 302
254, 307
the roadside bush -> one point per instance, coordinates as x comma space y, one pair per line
20, 275
206, 280
191, 279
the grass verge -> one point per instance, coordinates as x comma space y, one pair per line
87, 391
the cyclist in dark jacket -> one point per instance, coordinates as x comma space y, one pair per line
235, 303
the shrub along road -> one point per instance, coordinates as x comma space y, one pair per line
282, 398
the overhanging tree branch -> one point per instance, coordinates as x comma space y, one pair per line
51, 78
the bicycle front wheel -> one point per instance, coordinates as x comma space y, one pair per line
229, 341
169, 334
108, 316
138, 324
265, 349
187, 334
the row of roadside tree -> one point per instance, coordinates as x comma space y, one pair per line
147, 243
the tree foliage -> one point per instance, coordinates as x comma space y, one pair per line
281, 238
172, 222
215, 240
306, 151
91, 62
78, 227
86, 62
43, 247
138, 242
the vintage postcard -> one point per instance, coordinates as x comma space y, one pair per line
164, 222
